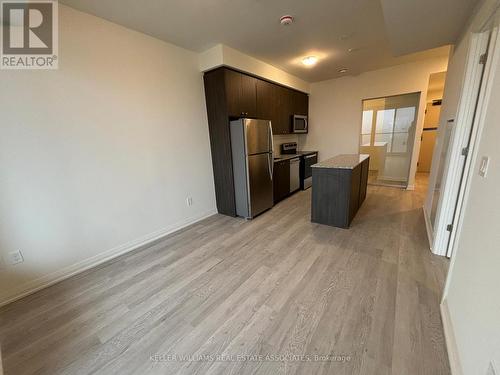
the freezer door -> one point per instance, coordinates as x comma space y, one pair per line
258, 136
260, 183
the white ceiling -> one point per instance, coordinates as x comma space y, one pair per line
325, 28
422, 24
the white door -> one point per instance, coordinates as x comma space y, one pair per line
454, 133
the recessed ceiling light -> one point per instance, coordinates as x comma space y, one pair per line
309, 60
343, 70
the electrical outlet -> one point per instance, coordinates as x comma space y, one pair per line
189, 201
483, 168
15, 257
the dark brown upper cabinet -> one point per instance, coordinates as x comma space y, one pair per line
241, 94
283, 103
300, 103
266, 108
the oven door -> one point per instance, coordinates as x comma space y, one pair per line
299, 124
308, 160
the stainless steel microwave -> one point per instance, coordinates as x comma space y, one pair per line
299, 124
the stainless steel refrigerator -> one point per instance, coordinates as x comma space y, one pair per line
252, 151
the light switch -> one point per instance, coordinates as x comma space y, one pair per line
483, 168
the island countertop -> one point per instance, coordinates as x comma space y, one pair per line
342, 161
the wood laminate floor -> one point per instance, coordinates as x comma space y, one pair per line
277, 295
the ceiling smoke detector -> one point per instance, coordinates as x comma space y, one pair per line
286, 20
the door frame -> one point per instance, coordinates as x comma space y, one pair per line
479, 121
455, 177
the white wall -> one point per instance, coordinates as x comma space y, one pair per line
335, 106
223, 55
101, 154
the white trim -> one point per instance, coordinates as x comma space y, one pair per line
489, 75
410, 187
45, 281
477, 129
451, 343
454, 166
428, 227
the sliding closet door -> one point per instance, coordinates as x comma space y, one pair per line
387, 134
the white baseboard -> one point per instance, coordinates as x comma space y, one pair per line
410, 187
45, 281
451, 343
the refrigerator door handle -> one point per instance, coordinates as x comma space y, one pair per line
271, 162
271, 137
270, 165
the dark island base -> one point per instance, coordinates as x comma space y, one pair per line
338, 193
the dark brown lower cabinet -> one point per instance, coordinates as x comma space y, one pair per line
281, 180
338, 193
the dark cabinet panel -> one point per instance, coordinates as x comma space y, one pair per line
283, 109
364, 180
281, 180
248, 96
220, 141
240, 94
266, 108
330, 196
300, 103
337, 194
355, 181
232, 81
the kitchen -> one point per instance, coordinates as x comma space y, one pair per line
254, 126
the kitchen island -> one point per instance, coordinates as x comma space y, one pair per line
339, 189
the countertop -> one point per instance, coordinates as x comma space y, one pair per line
283, 157
343, 161
307, 152
286, 157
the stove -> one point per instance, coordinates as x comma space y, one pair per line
307, 158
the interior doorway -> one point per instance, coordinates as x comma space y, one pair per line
431, 121
387, 135
456, 139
